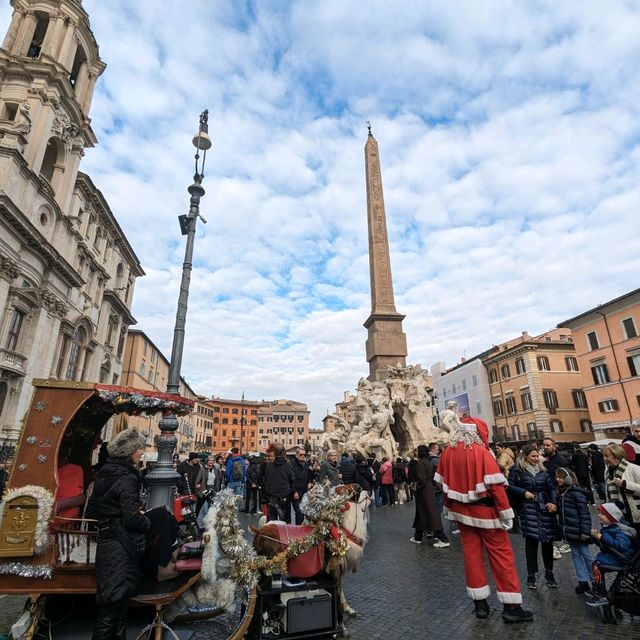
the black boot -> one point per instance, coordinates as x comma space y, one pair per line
550, 580
583, 587
482, 608
515, 613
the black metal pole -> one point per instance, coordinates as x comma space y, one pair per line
163, 478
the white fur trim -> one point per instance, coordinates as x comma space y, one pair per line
507, 514
495, 478
45, 509
479, 593
490, 523
509, 598
470, 496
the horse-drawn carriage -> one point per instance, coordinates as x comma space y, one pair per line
47, 547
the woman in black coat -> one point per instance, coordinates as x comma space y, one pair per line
427, 516
363, 474
532, 486
115, 504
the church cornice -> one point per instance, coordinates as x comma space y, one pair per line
119, 306
94, 196
33, 239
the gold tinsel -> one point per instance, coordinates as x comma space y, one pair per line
247, 564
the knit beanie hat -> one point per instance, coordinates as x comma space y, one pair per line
610, 510
126, 443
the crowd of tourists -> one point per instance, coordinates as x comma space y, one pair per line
542, 493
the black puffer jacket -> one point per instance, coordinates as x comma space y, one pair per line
115, 503
536, 521
573, 514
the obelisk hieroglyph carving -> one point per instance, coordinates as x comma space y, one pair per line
386, 342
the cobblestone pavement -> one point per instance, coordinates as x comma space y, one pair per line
410, 591
405, 591
10, 610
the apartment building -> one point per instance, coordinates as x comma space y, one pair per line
283, 421
607, 342
224, 423
536, 389
145, 367
465, 383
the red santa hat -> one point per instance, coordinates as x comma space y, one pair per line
480, 426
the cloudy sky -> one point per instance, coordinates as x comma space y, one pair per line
509, 138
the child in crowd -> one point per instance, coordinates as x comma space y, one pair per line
575, 524
616, 541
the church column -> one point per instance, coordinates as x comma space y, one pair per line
88, 94
82, 81
25, 33
14, 28
53, 37
64, 187
68, 49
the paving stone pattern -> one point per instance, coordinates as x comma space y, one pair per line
407, 591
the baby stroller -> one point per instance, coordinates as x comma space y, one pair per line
624, 594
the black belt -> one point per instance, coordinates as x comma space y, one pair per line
484, 502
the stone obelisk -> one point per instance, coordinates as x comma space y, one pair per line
386, 342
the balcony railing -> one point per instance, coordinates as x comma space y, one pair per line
13, 361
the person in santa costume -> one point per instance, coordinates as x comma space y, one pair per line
475, 498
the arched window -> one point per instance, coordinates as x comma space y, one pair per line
119, 276
105, 370
3, 394
77, 345
53, 158
78, 61
38, 35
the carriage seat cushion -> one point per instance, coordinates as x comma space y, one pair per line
70, 485
307, 564
190, 564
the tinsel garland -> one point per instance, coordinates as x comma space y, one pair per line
26, 570
247, 564
45, 501
134, 401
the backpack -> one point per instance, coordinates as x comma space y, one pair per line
237, 469
398, 474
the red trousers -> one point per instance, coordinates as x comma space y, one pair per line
501, 560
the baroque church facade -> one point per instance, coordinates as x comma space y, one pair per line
67, 272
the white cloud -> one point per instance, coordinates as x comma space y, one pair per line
508, 137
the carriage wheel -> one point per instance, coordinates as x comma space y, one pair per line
608, 616
617, 614
159, 627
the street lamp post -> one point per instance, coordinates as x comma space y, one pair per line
162, 479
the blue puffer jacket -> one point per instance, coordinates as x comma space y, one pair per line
573, 515
535, 520
613, 537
